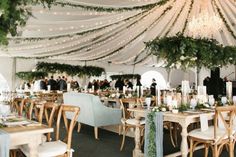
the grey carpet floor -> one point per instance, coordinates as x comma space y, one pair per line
108, 144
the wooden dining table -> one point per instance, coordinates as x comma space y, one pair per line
30, 136
183, 119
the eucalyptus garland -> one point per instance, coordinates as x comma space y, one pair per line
74, 34
186, 21
125, 76
101, 40
136, 37
186, 52
30, 76
224, 20
71, 70
111, 9
152, 135
176, 18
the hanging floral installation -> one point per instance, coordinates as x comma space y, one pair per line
125, 76
30, 76
71, 70
186, 52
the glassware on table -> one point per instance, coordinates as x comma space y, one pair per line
193, 103
211, 101
224, 100
234, 100
148, 102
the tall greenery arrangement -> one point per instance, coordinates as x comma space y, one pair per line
187, 52
14, 14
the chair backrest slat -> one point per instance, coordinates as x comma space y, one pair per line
225, 114
62, 112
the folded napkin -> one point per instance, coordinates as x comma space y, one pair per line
4, 144
158, 120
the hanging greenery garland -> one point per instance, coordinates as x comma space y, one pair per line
125, 76
111, 9
71, 70
17, 39
30, 76
186, 21
14, 14
186, 52
224, 20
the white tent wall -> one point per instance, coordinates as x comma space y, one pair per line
7, 70
176, 76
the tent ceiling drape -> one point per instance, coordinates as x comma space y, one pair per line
118, 35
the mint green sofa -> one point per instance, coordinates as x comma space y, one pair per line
92, 110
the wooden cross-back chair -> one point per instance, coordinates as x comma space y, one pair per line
57, 147
31, 109
50, 109
217, 136
128, 121
16, 104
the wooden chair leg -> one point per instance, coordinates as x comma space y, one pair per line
215, 151
96, 132
206, 150
79, 127
120, 127
231, 149
123, 138
191, 148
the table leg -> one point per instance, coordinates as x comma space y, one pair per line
33, 145
137, 150
184, 143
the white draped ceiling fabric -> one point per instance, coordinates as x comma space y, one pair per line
118, 35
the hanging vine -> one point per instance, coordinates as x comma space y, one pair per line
111, 9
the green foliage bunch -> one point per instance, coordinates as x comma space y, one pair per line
14, 14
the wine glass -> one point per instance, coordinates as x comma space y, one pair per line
193, 103
234, 100
148, 102
5, 110
211, 101
223, 100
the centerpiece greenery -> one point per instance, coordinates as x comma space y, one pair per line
14, 14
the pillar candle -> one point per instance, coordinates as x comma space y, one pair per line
68, 86
141, 91
138, 94
229, 90
124, 89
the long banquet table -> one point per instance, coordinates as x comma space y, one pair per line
27, 135
184, 119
